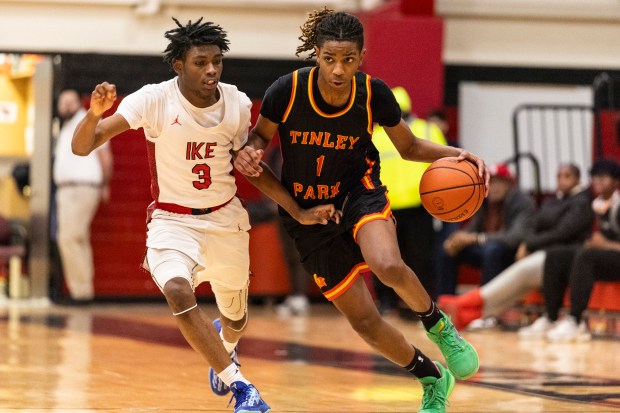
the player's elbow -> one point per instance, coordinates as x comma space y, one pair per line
410, 153
78, 150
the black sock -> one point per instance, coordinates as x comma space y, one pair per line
431, 317
422, 366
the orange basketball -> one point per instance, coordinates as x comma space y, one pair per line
451, 191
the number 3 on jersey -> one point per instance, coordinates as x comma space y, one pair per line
204, 176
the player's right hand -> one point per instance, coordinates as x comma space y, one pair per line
248, 161
320, 214
102, 98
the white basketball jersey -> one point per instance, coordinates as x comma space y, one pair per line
191, 165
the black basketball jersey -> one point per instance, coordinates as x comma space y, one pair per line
326, 155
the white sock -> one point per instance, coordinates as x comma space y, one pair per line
231, 374
228, 345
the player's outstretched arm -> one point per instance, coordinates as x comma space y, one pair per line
412, 148
92, 132
422, 150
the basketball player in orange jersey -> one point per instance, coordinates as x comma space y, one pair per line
197, 227
325, 115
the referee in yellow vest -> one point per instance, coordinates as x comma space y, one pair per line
414, 229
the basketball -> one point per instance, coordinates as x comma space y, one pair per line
451, 191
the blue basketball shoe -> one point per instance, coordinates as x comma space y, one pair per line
217, 385
247, 399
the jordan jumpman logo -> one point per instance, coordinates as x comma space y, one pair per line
176, 121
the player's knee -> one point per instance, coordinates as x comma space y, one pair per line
236, 325
391, 271
178, 293
365, 325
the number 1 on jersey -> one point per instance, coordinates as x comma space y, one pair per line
319, 164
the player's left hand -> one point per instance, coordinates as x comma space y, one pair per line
321, 214
483, 170
247, 161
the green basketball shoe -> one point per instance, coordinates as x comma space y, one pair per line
436, 391
461, 357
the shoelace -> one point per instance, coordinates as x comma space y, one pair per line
249, 395
432, 397
449, 336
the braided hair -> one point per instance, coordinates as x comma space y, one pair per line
183, 38
325, 25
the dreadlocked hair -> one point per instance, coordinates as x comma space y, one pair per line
183, 38
324, 25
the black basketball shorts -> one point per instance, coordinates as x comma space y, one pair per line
330, 252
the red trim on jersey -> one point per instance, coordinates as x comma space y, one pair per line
292, 99
369, 96
383, 215
150, 151
180, 209
344, 285
366, 179
316, 108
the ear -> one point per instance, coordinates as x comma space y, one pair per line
317, 50
177, 66
362, 54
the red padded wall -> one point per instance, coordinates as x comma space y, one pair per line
406, 50
118, 232
610, 132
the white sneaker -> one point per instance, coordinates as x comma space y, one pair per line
296, 305
567, 329
537, 329
482, 324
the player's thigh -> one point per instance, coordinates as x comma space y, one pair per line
226, 259
166, 264
356, 303
335, 265
378, 243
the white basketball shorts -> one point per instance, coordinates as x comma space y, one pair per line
212, 247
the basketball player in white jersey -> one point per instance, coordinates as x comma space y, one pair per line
198, 229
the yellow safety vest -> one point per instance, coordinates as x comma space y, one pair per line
402, 177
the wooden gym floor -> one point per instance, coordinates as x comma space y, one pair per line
132, 358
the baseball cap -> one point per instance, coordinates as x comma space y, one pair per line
501, 170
